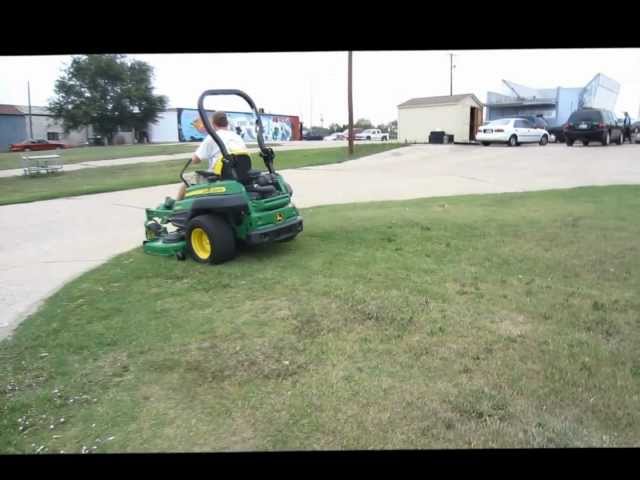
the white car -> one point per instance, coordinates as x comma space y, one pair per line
512, 131
372, 134
334, 136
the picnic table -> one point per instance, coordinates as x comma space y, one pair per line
37, 164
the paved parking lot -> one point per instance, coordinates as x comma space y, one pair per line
48, 243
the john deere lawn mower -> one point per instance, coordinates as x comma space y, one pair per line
238, 205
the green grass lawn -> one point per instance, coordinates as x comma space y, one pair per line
87, 154
480, 321
107, 179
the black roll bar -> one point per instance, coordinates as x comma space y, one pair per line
266, 153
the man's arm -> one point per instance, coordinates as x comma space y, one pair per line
203, 152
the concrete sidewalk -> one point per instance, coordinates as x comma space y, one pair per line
51, 242
296, 145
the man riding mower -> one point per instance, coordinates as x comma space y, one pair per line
235, 205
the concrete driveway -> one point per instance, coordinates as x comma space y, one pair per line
48, 243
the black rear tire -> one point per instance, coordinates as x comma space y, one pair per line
486, 144
606, 139
585, 143
569, 143
513, 141
220, 237
544, 140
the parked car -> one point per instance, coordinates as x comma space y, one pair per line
556, 132
335, 136
35, 145
313, 136
512, 131
372, 134
356, 131
593, 125
539, 122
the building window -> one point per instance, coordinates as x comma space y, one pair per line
53, 135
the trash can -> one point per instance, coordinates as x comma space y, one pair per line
436, 136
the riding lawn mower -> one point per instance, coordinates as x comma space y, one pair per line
239, 205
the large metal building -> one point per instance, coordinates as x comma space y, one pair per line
555, 105
12, 126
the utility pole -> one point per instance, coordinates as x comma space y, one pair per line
450, 74
350, 100
30, 122
310, 108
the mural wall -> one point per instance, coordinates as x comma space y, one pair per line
277, 128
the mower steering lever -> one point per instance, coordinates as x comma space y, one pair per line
186, 165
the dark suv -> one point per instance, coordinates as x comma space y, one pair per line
592, 125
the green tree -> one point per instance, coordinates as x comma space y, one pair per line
363, 123
107, 92
335, 127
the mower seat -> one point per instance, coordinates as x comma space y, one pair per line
258, 185
242, 163
208, 176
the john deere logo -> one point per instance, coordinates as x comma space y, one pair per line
279, 217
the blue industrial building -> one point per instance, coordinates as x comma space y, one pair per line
19, 123
12, 126
555, 105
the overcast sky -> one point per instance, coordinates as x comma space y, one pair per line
315, 83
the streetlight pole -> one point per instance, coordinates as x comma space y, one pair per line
30, 122
450, 74
350, 100
310, 108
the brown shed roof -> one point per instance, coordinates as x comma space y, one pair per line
442, 100
35, 110
9, 110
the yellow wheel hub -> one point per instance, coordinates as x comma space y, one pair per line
200, 243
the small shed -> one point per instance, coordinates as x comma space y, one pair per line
457, 115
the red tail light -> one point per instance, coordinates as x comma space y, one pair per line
601, 125
566, 126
